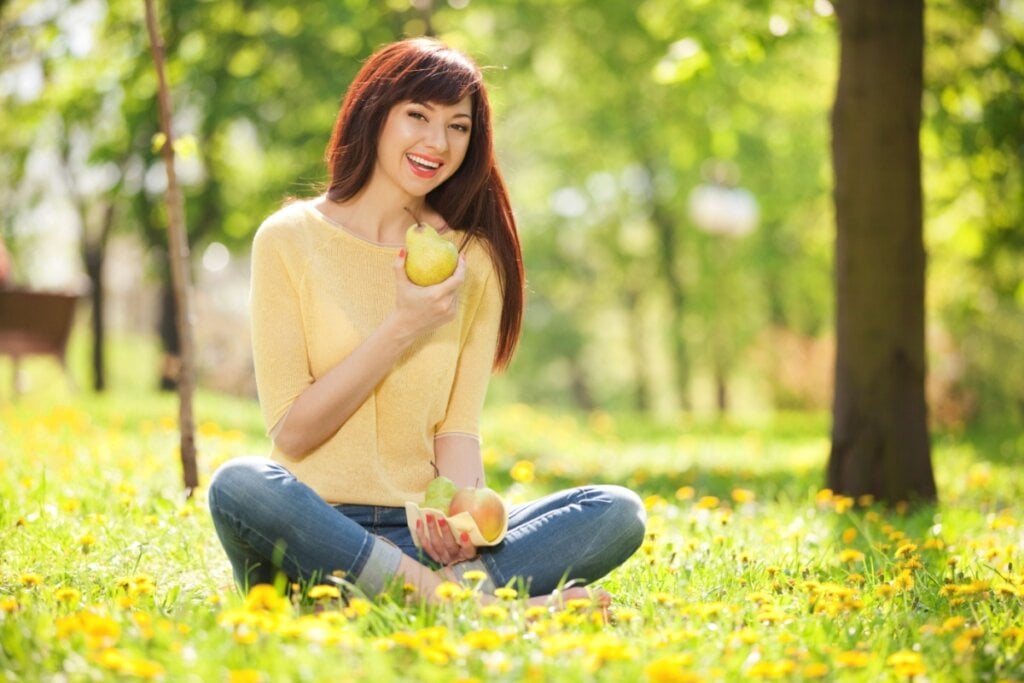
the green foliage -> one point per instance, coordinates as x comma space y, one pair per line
606, 113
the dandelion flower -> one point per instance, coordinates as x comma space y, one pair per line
852, 659
522, 472
324, 592
68, 596
505, 593
741, 496
906, 663
671, 669
30, 580
245, 676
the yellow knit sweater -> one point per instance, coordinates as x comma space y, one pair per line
317, 292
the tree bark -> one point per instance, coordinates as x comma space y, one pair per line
665, 227
880, 441
95, 256
178, 253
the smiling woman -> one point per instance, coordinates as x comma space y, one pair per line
371, 385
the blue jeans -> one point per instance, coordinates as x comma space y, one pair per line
268, 521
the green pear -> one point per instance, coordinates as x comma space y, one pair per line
439, 493
429, 258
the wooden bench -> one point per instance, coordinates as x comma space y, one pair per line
35, 323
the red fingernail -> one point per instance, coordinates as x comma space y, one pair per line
401, 253
442, 522
465, 537
430, 518
419, 523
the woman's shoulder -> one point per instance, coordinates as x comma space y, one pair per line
286, 225
477, 250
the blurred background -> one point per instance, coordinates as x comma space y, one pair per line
669, 162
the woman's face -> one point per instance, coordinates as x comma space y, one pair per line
423, 143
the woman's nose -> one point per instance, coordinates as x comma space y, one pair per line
437, 138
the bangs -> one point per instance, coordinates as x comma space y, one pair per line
444, 78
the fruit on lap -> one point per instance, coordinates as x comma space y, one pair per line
486, 508
439, 493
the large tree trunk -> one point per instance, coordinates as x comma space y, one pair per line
880, 442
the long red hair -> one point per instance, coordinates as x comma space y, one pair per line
474, 199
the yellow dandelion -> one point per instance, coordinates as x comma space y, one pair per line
671, 669
906, 663
654, 501
324, 592
506, 593
143, 668
866, 500
245, 676
708, 503
771, 670
852, 659
904, 581
484, 639
494, 612
449, 591
358, 607
885, 590
849, 556
534, 612
9, 604
842, 503
475, 575
741, 496
685, 493
30, 580
906, 550
953, 623
264, 598
849, 535
68, 596
815, 670
522, 472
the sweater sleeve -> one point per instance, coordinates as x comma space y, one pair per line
473, 373
280, 356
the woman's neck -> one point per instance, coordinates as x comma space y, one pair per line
377, 216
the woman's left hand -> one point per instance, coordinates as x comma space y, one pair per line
442, 543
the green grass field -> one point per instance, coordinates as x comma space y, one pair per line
750, 571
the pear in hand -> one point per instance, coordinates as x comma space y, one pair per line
439, 493
429, 257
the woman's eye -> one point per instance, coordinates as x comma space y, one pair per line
417, 115
460, 127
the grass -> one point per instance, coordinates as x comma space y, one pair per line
749, 570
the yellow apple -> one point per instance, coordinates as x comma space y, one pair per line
486, 508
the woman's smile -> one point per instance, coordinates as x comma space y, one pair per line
424, 166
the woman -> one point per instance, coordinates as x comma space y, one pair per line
370, 385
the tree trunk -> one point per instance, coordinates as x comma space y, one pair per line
95, 255
178, 254
880, 441
641, 390
667, 251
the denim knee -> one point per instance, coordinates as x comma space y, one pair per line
243, 477
626, 513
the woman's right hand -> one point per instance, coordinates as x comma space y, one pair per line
440, 543
422, 309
